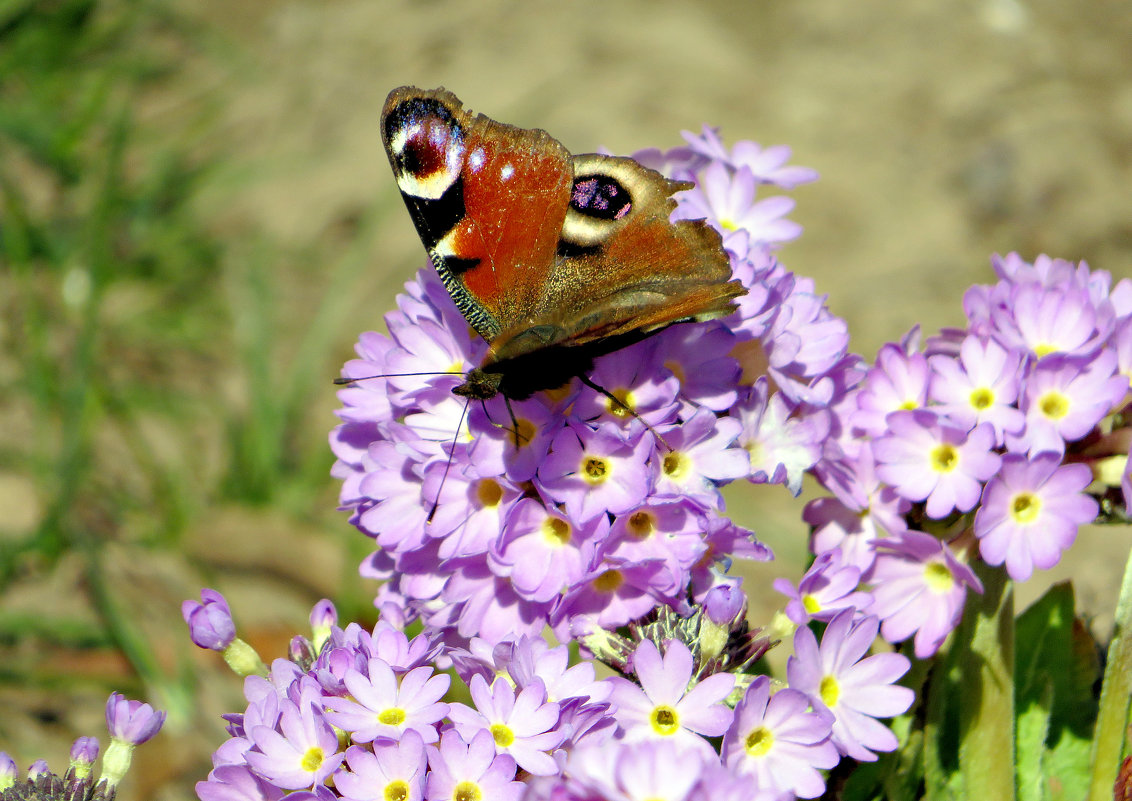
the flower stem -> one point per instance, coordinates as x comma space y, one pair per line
985, 647
1112, 717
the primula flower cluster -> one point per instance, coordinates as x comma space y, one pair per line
130, 723
579, 510
994, 431
370, 718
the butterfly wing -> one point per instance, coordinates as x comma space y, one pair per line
488, 201
622, 265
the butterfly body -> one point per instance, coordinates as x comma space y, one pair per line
553, 259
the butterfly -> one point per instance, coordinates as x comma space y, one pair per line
553, 259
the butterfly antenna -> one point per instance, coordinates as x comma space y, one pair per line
343, 380
448, 464
596, 388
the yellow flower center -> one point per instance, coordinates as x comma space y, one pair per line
1025, 506
944, 458
811, 604
524, 432
595, 470
982, 398
1045, 349
676, 465
394, 716
830, 691
641, 525
312, 759
938, 577
396, 790
502, 734
608, 582
665, 720
623, 407
488, 493
556, 531
467, 791
1054, 405
759, 742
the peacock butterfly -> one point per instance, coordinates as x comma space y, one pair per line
553, 259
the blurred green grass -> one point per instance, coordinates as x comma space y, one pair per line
148, 373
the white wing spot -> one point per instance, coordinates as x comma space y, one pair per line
476, 159
507, 171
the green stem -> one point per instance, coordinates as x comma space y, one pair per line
984, 643
1112, 717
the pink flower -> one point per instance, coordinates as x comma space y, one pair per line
1031, 512
663, 707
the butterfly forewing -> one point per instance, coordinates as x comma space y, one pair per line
468, 182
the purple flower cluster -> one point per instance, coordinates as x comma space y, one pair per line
582, 512
369, 719
130, 723
989, 432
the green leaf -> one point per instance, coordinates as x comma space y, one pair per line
1056, 668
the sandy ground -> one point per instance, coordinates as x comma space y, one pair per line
943, 132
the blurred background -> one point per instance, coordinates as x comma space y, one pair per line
197, 219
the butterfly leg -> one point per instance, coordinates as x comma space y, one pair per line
596, 388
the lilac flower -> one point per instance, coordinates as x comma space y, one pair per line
543, 553
671, 533
381, 708
524, 725
1064, 399
701, 455
84, 750
131, 721
862, 512
726, 199
776, 742
594, 472
663, 707
855, 688
765, 163
635, 376
980, 386
8, 771
699, 357
611, 596
898, 382
828, 587
531, 659
919, 588
210, 621
393, 770
482, 604
661, 770
236, 783
1053, 319
460, 770
302, 753
471, 508
780, 447
925, 459
1031, 511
